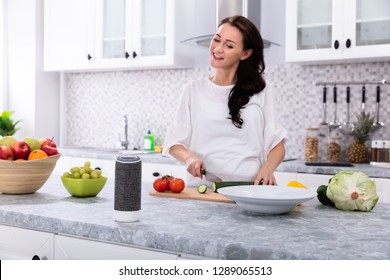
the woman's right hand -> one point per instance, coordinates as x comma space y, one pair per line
193, 163
195, 166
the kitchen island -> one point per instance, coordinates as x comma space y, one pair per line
202, 229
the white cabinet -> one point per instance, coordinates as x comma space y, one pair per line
69, 34
70, 248
315, 180
383, 189
65, 163
116, 34
150, 171
25, 244
337, 30
282, 178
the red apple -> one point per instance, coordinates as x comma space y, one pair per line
49, 150
6, 153
47, 142
20, 149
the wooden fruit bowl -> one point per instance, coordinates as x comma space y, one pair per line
23, 177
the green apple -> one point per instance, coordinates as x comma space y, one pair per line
33, 143
7, 141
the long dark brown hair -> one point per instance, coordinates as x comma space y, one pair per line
249, 74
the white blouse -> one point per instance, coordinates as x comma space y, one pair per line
202, 125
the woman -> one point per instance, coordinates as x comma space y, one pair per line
226, 123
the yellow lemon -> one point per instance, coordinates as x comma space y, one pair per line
296, 184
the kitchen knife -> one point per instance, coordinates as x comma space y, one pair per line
211, 177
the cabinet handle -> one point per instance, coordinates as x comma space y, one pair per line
348, 43
336, 44
134, 54
89, 57
127, 55
156, 174
36, 258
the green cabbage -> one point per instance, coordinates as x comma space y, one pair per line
352, 190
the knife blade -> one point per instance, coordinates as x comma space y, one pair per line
211, 177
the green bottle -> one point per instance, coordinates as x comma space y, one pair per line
149, 142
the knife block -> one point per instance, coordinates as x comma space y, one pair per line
127, 197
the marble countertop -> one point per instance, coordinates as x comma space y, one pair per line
206, 229
297, 166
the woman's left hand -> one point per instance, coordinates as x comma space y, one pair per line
265, 176
266, 172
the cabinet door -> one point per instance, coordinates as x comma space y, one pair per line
135, 33
69, 34
367, 28
69, 248
337, 30
25, 244
153, 40
113, 26
313, 30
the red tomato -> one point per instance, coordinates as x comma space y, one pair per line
177, 185
169, 178
161, 185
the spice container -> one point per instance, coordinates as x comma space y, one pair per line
311, 144
374, 148
381, 151
387, 151
333, 152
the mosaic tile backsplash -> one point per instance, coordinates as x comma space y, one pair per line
97, 102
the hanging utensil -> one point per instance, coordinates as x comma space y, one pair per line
324, 91
377, 124
335, 123
347, 127
363, 98
324, 128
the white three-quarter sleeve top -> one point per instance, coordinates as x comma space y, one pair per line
202, 125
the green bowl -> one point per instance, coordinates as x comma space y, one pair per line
84, 187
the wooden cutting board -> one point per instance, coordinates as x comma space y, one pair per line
192, 193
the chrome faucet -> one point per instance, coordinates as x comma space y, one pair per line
123, 138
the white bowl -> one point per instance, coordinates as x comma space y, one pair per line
267, 199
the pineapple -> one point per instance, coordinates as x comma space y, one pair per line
357, 150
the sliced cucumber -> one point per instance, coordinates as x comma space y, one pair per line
217, 186
202, 188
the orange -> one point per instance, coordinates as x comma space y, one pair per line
37, 154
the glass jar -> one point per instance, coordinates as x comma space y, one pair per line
311, 144
333, 152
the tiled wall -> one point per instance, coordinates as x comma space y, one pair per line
96, 102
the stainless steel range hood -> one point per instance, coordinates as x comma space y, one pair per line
225, 8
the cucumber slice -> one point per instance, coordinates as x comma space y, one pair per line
202, 188
219, 185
